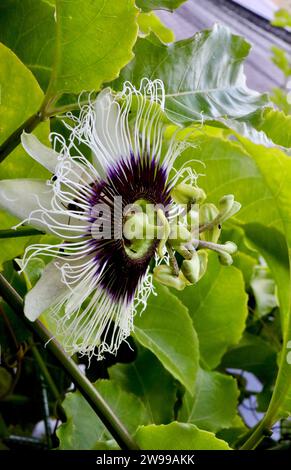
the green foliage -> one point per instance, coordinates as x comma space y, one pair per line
148, 5
150, 22
90, 65
208, 409
203, 75
83, 429
277, 125
156, 388
252, 354
17, 104
178, 436
30, 22
174, 389
282, 61
166, 329
218, 300
72, 51
280, 99
264, 290
282, 19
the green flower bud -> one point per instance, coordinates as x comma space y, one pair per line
208, 213
164, 275
163, 231
186, 193
203, 262
230, 247
191, 268
228, 207
225, 258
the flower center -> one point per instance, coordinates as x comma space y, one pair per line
140, 229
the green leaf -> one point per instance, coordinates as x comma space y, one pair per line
146, 378
218, 308
246, 130
147, 5
92, 47
150, 22
281, 99
208, 409
166, 329
18, 103
254, 355
275, 172
272, 245
275, 168
280, 59
245, 259
282, 18
5, 381
260, 179
264, 290
78, 51
30, 22
277, 126
83, 429
234, 433
177, 436
32, 271
203, 75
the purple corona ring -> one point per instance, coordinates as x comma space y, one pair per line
91, 289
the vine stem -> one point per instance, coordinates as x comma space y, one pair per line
256, 437
31, 123
13, 140
44, 370
93, 397
20, 232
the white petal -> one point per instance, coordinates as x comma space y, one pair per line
110, 126
44, 155
47, 291
21, 197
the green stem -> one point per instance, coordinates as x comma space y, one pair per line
13, 140
20, 232
209, 245
173, 261
281, 389
44, 370
257, 435
65, 108
93, 397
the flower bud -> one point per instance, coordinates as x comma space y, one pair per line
208, 213
186, 193
228, 207
163, 231
230, 247
225, 258
191, 268
203, 262
164, 275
